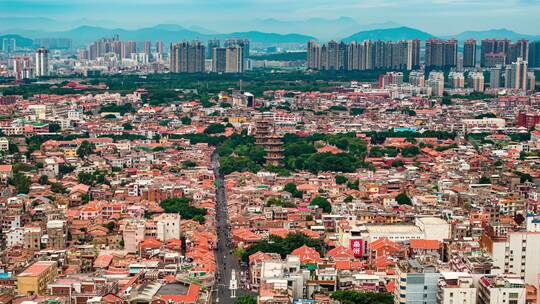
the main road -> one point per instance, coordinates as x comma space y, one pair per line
226, 261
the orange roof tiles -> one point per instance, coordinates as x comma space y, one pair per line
307, 255
425, 244
190, 297
340, 252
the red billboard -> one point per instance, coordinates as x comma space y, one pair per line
356, 247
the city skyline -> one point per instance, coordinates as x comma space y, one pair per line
438, 16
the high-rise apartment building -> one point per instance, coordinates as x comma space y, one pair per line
502, 51
417, 78
159, 47
243, 43
476, 80
367, 55
457, 80
234, 59
519, 49
186, 57
469, 53
42, 62
531, 81
9, 45
210, 46
118, 48
534, 54
22, 67
441, 54
219, 59
131, 48
147, 47
493, 46
516, 75
436, 83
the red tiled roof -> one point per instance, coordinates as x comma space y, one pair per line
425, 244
190, 297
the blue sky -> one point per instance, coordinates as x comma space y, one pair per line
435, 16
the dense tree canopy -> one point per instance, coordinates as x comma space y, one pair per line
283, 246
403, 199
214, 129
182, 206
321, 202
86, 148
357, 297
246, 299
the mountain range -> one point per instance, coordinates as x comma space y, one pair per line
344, 30
323, 29
83, 35
391, 34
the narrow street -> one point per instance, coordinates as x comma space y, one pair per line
226, 261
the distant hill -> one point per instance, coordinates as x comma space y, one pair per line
84, 35
19, 40
322, 28
494, 33
268, 38
391, 34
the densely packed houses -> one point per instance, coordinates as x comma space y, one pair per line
106, 198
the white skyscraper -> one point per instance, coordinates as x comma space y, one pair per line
42, 62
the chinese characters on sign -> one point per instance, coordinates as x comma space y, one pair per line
356, 247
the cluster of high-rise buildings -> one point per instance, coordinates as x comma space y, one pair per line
9, 45
25, 68
368, 55
501, 52
191, 57
122, 49
405, 54
513, 76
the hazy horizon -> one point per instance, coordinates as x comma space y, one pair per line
440, 17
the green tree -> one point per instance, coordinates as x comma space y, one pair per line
127, 126
321, 202
215, 129
13, 148
340, 179
185, 120
283, 246
189, 164
245, 300
403, 199
484, 180
357, 297
54, 127
355, 185
58, 188
297, 149
43, 180
291, 188
21, 182
86, 148
65, 169
397, 163
86, 178
357, 111
410, 151
110, 226
182, 206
